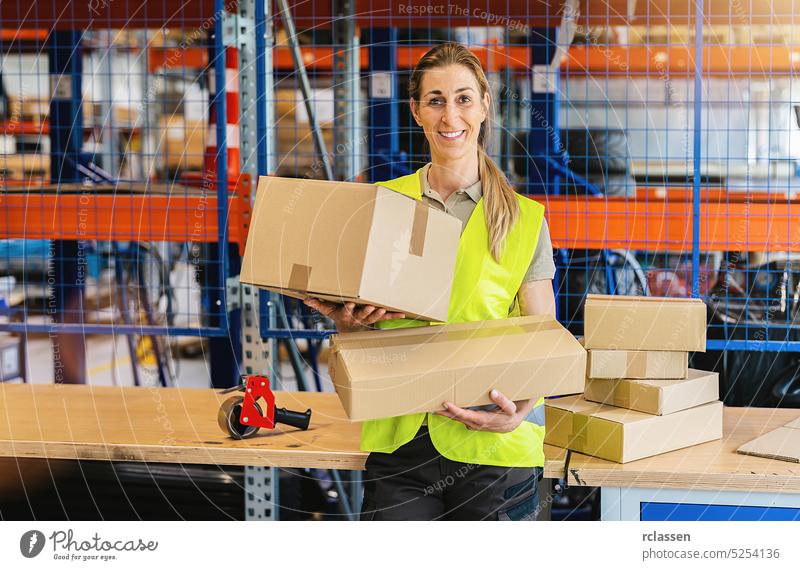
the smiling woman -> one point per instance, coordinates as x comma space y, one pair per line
463, 464
450, 100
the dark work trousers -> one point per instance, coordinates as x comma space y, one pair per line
417, 483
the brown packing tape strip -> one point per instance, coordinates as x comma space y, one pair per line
577, 439
441, 334
636, 364
299, 277
418, 229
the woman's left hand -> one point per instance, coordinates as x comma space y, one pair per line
503, 420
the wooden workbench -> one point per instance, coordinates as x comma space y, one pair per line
172, 425
179, 426
713, 466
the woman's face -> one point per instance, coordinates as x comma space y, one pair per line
450, 111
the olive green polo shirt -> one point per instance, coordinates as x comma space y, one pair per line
461, 205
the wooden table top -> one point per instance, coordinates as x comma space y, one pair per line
173, 425
711, 466
179, 425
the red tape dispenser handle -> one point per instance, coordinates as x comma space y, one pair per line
258, 387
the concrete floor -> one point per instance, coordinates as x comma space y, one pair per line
109, 364
108, 356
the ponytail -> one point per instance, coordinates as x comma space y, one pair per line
499, 203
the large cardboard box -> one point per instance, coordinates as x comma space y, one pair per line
782, 444
622, 435
644, 323
658, 397
344, 241
394, 372
649, 364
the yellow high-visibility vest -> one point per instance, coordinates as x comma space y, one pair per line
483, 289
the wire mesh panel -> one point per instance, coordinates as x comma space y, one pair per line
122, 201
659, 135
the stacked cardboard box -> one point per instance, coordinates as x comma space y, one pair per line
640, 398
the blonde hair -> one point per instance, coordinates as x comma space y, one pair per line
499, 198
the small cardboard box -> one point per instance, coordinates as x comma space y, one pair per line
644, 323
782, 444
182, 142
650, 364
394, 372
621, 435
343, 241
660, 397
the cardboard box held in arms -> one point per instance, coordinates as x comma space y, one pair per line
658, 397
644, 323
401, 371
645, 364
622, 435
343, 241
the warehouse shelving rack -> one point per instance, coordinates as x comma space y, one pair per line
670, 221
657, 218
215, 211
688, 219
70, 212
683, 219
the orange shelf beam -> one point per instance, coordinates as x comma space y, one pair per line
580, 60
495, 58
176, 58
24, 128
578, 222
11, 35
107, 217
32, 128
717, 195
317, 58
321, 58
650, 60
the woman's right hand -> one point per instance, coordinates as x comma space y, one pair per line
351, 317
